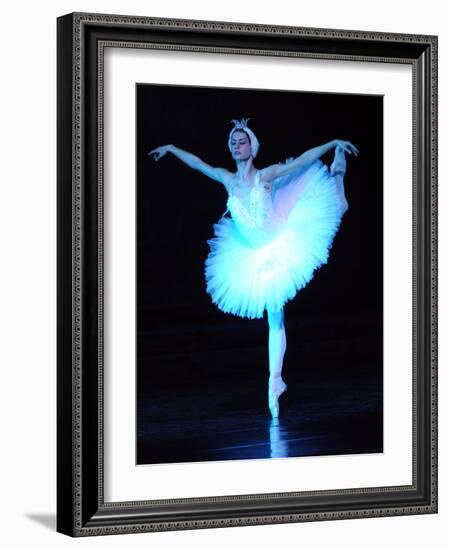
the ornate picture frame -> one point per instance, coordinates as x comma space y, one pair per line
82, 509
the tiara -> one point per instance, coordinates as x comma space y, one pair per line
240, 124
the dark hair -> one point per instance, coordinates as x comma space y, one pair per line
241, 130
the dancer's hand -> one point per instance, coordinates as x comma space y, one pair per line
159, 152
347, 147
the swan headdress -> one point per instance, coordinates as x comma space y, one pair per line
243, 125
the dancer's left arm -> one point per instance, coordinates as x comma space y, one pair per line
276, 170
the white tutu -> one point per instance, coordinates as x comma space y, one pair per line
262, 256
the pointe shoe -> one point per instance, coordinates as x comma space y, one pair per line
276, 388
338, 166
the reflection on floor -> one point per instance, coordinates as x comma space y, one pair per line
202, 387
322, 413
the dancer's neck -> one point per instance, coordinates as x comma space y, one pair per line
245, 169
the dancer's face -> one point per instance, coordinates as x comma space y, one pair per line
240, 145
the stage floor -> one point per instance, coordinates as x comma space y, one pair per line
325, 411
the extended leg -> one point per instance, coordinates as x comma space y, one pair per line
277, 344
338, 170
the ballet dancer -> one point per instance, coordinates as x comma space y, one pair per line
283, 219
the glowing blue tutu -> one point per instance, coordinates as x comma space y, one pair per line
265, 253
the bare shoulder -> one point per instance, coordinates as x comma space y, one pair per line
269, 173
225, 176
218, 174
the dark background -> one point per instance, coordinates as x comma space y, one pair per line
197, 365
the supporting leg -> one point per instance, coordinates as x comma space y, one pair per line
277, 344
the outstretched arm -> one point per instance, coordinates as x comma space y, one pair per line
276, 170
219, 174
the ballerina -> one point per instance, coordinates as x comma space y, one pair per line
283, 221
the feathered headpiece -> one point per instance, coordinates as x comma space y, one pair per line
243, 125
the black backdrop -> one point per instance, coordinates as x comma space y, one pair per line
177, 207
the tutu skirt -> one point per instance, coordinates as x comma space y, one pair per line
247, 276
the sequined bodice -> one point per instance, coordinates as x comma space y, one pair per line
259, 217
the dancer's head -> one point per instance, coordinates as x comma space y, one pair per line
242, 141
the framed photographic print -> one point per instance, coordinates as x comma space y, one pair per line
247, 288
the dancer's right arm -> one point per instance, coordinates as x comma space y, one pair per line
219, 174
